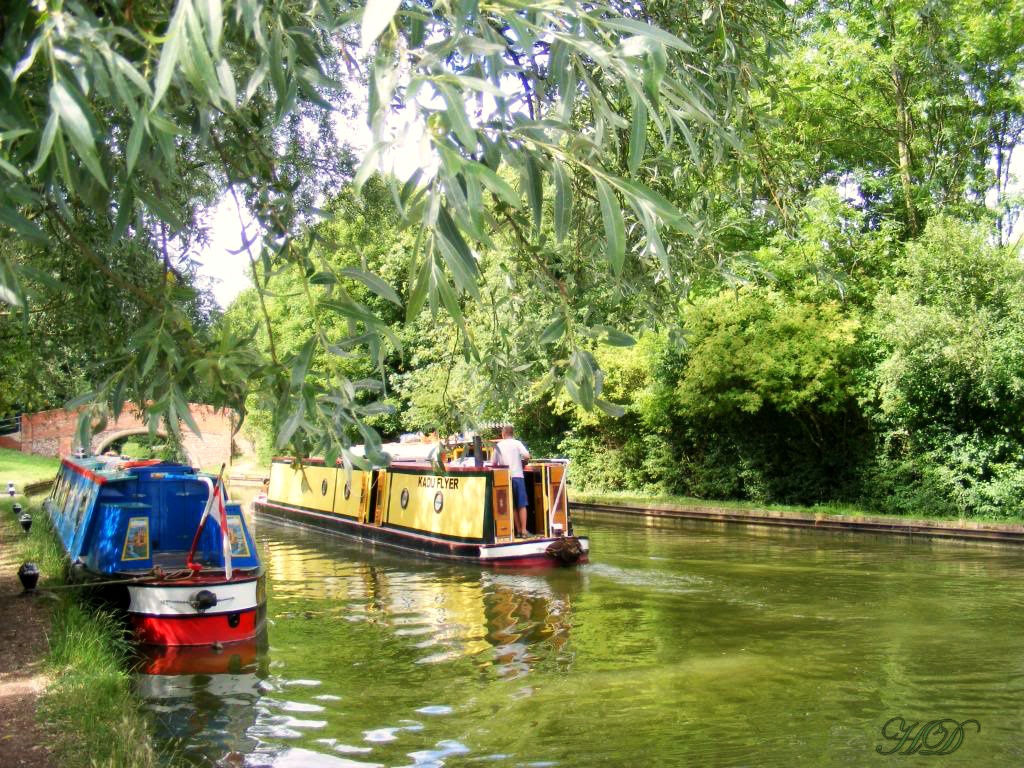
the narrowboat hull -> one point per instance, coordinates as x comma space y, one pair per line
535, 552
126, 529
171, 613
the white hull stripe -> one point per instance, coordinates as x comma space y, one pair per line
176, 601
523, 549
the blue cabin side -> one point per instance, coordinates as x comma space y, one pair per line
130, 518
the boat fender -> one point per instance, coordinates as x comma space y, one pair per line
568, 550
203, 600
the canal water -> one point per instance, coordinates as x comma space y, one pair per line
682, 643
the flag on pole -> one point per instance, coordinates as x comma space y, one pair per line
219, 513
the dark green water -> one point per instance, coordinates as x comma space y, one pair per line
681, 643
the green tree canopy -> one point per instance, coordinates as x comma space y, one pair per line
126, 118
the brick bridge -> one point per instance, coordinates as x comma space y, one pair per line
52, 433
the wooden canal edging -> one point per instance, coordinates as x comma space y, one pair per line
942, 529
241, 478
39, 486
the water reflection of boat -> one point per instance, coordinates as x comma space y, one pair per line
504, 620
353, 627
456, 511
206, 693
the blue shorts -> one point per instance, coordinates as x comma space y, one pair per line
519, 492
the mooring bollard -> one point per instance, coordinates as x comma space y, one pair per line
10, 488
28, 575
26, 522
17, 509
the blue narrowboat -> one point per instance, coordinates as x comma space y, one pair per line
164, 537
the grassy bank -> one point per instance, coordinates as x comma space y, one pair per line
88, 710
841, 510
24, 468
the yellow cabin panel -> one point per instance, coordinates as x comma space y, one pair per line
317, 492
411, 504
349, 493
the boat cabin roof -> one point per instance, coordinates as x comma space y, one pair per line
107, 469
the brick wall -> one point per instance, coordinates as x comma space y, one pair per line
51, 433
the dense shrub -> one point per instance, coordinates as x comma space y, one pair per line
949, 383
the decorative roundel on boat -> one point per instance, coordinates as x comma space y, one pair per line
348, 489
323, 488
438, 501
404, 498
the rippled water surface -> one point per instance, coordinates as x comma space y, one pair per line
681, 643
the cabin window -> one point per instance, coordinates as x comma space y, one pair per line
236, 534
438, 502
83, 505
136, 539
62, 496
72, 501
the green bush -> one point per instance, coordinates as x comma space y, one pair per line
595, 465
964, 476
137, 450
949, 382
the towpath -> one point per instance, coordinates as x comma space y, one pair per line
24, 624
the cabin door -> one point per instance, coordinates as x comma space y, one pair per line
365, 513
378, 496
558, 502
539, 508
501, 504
178, 506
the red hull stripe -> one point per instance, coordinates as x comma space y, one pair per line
84, 472
216, 578
194, 630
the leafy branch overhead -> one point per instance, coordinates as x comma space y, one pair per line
119, 121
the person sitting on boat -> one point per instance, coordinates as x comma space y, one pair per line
512, 453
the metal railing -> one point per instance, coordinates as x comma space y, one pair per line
10, 424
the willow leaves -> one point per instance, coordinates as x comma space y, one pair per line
523, 108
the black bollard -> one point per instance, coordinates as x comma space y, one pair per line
26, 522
28, 574
16, 509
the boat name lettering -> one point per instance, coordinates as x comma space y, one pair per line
451, 483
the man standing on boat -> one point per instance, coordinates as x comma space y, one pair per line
512, 453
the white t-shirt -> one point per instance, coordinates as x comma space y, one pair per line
511, 452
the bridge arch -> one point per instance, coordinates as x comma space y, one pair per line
52, 433
105, 439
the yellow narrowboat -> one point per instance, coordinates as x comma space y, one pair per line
457, 510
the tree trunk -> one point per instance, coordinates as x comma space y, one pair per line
904, 127
903, 136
